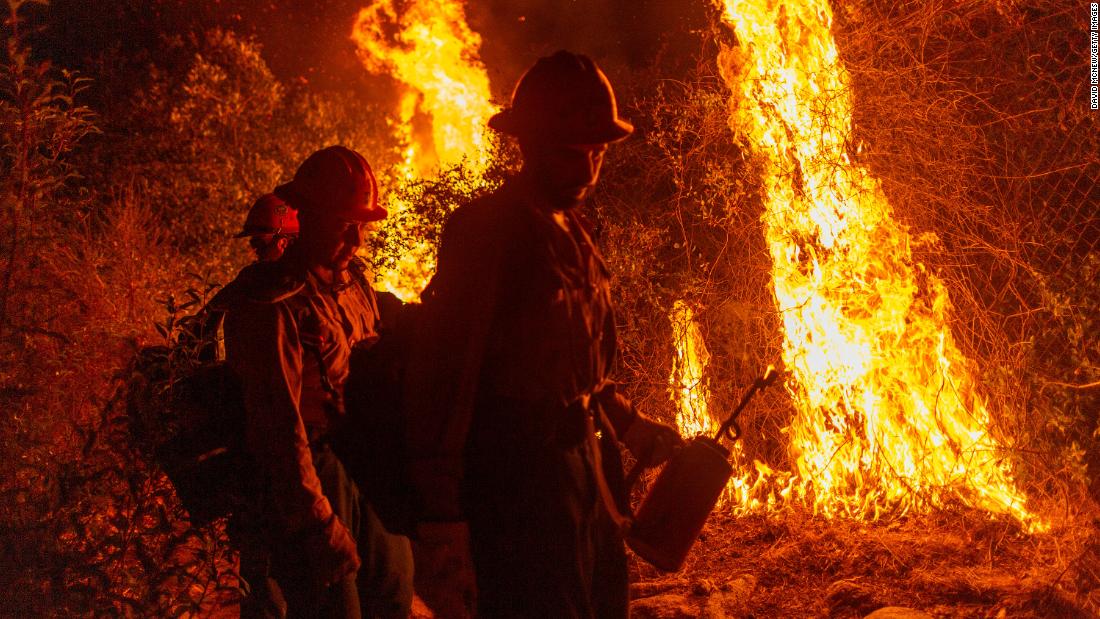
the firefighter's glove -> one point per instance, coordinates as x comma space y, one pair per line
651, 442
331, 552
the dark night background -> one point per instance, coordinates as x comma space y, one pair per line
120, 194
309, 41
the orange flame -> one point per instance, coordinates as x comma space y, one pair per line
689, 393
888, 417
428, 47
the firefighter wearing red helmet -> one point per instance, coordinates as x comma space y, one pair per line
271, 226
514, 416
322, 552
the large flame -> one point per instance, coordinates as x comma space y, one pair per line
888, 417
689, 393
427, 46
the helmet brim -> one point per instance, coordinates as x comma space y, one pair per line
289, 194
509, 123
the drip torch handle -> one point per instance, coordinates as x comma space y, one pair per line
633, 475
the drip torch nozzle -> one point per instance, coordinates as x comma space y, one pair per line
729, 428
769, 376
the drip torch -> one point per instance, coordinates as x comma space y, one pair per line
672, 514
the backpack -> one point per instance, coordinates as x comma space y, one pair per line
205, 460
203, 407
371, 442
186, 412
205, 457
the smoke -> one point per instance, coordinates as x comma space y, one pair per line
309, 42
303, 42
623, 36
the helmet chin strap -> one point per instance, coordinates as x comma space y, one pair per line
550, 198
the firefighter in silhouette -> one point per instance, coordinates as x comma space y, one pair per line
270, 227
325, 552
514, 420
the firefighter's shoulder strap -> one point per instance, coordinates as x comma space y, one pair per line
269, 282
620, 517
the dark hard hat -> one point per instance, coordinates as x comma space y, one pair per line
335, 180
270, 215
563, 98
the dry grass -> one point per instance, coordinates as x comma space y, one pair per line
948, 565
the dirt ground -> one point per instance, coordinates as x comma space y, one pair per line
798, 565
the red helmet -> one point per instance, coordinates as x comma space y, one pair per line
563, 98
335, 180
270, 215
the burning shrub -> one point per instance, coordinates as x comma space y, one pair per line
89, 525
972, 118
